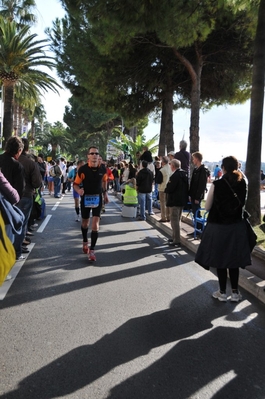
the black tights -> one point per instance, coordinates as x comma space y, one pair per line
222, 277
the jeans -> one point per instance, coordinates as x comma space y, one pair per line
145, 200
57, 186
117, 184
25, 205
194, 208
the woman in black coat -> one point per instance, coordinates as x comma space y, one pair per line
224, 243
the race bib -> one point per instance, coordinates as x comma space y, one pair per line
91, 200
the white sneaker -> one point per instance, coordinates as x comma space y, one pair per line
77, 218
219, 296
235, 297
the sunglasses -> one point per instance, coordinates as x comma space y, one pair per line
93, 153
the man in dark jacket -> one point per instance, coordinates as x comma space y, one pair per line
10, 167
198, 183
183, 156
177, 195
33, 180
144, 183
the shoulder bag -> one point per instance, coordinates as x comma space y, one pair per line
252, 237
12, 215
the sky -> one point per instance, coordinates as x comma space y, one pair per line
223, 130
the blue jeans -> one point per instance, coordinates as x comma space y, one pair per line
25, 205
145, 200
194, 208
57, 186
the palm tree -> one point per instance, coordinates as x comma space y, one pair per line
52, 138
19, 11
39, 114
128, 145
20, 56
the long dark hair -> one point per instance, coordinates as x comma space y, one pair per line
230, 164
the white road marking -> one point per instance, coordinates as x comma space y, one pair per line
55, 206
44, 224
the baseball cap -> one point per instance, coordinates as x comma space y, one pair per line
171, 153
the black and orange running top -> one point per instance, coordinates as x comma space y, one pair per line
90, 178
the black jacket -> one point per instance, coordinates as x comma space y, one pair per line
144, 180
32, 174
13, 172
198, 183
177, 189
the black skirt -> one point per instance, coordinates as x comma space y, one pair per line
224, 246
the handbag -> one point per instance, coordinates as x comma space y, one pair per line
252, 237
12, 215
8, 255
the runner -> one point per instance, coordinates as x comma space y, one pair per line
93, 180
71, 177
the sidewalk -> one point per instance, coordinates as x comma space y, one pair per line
252, 279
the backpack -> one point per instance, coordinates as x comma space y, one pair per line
52, 172
208, 173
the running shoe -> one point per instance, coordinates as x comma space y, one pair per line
235, 297
91, 255
85, 247
220, 296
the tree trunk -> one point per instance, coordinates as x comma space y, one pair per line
8, 109
166, 140
20, 121
162, 136
54, 151
133, 133
15, 119
195, 74
195, 110
33, 131
253, 163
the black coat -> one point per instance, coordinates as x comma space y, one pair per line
177, 189
198, 183
144, 180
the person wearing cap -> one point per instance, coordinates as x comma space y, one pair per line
171, 155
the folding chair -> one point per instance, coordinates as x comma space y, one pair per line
199, 222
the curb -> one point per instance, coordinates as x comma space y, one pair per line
247, 280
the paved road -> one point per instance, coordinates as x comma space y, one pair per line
139, 323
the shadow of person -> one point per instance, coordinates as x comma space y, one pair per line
188, 315
225, 362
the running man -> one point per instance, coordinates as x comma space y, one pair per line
71, 177
89, 183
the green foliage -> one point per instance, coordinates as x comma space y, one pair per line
138, 52
21, 58
21, 11
52, 139
126, 142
